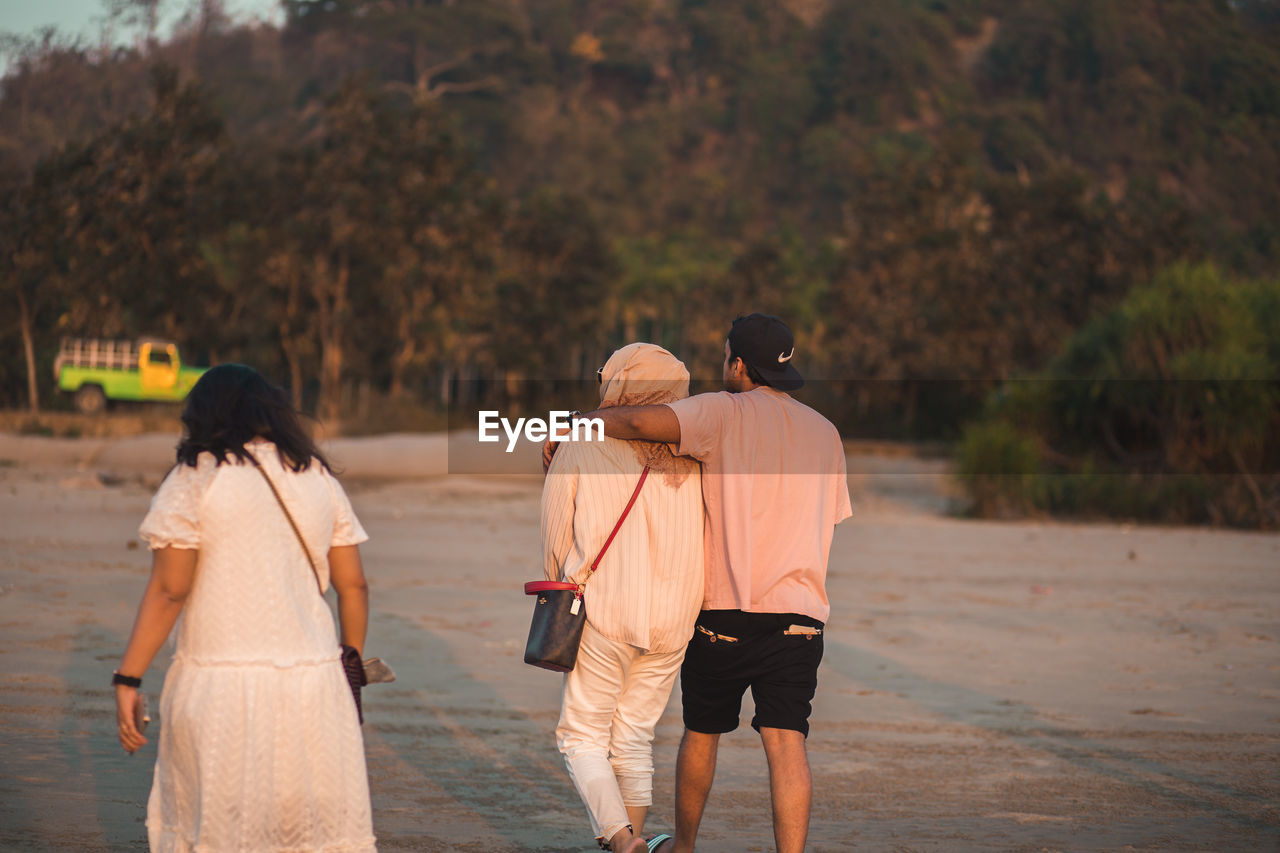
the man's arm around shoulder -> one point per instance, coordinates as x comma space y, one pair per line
650, 423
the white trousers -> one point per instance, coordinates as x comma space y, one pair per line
612, 700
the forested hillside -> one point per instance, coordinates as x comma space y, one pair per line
398, 199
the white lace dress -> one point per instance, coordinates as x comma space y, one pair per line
259, 747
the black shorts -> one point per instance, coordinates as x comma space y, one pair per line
732, 650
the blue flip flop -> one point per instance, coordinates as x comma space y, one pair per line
656, 842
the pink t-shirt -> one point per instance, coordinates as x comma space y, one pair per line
774, 487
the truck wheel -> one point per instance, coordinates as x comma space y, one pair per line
90, 400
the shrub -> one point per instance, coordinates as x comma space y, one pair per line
998, 466
1166, 408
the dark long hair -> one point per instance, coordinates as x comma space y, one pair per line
232, 404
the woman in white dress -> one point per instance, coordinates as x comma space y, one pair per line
641, 603
260, 745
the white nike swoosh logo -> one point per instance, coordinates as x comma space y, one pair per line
785, 358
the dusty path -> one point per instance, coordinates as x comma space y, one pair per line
1007, 686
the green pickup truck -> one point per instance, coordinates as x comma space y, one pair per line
96, 371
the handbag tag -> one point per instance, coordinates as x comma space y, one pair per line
576, 606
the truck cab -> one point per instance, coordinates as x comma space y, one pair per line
159, 365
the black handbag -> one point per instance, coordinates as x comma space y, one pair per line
560, 611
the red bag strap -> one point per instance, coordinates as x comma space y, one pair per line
596, 563
535, 587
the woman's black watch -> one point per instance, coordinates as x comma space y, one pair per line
126, 680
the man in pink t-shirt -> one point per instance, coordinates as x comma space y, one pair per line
774, 487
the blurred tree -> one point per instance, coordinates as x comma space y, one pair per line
20, 215
438, 243
925, 189
554, 292
913, 297
142, 15
137, 200
119, 219
1166, 407
878, 62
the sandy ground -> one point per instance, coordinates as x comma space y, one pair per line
986, 686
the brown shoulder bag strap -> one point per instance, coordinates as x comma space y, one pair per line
296, 532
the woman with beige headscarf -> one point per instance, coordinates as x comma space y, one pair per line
641, 602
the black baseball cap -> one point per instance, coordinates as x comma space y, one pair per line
767, 345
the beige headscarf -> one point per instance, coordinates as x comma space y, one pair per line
642, 374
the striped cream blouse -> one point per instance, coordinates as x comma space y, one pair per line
648, 589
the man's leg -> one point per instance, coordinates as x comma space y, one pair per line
790, 785
712, 681
784, 701
695, 771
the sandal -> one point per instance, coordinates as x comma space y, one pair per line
656, 842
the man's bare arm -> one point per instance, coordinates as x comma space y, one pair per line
651, 423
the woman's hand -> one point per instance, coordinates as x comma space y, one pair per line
548, 453
127, 699
173, 571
